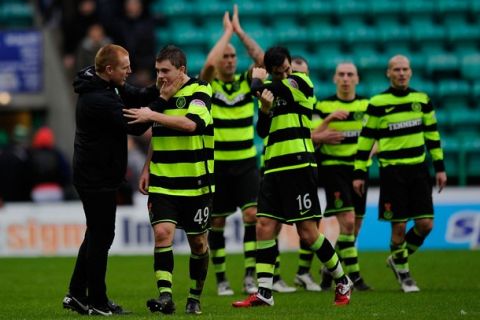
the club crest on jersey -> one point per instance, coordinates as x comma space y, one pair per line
236, 86
293, 83
416, 106
358, 115
338, 201
181, 102
388, 213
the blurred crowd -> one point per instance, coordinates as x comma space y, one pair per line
87, 25
32, 168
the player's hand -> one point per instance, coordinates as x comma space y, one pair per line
144, 182
359, 187
140, 115
441, 180
237, 28
259, 73
266, 100
227, 24
338, 115
327, 136
168, 89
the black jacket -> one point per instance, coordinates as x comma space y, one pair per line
100, 148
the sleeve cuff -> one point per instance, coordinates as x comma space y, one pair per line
439, 166
359, 174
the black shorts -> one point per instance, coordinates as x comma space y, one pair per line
405, 193
338, 183
189, 213
289, 196
235, 190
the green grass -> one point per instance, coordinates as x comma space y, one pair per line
32, 288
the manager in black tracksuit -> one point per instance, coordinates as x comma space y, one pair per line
99, 166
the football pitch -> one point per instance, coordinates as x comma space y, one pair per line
33, 288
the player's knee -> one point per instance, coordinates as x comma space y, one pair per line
250, 215
162, 235
217, 222
424, 227
198, 245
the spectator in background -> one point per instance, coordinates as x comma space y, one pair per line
15, 178
75, 24
50, 170
93, 41
134, 29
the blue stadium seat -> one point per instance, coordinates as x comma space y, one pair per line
325, 34
425, 33
446, 63
348, 9
323, 89
288, 29
476, 91
453, 88
470, 66
185, 32
385, 8
461, 34
172, 8
372, 63
281, 8
415, 8
465, 121
314, 9
391, 30
16, 14
249, 9
423, 85
472, 157
212, 8
453, 155
448, 7
360, 34
195, 60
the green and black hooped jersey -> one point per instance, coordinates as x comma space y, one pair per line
404, 124
182, 162
232, 112
288, 143
344, 152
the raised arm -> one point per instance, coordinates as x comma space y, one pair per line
208, 71
253, 49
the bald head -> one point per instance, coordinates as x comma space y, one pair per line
227, 65
399, 72
299, 64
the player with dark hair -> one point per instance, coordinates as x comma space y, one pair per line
178, 174
288, 193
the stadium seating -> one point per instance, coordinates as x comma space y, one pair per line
16, 14
441, 38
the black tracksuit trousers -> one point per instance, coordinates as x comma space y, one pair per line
88, 278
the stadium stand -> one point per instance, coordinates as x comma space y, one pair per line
441, 37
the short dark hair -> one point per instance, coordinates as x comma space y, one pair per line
173, 54
275, 57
